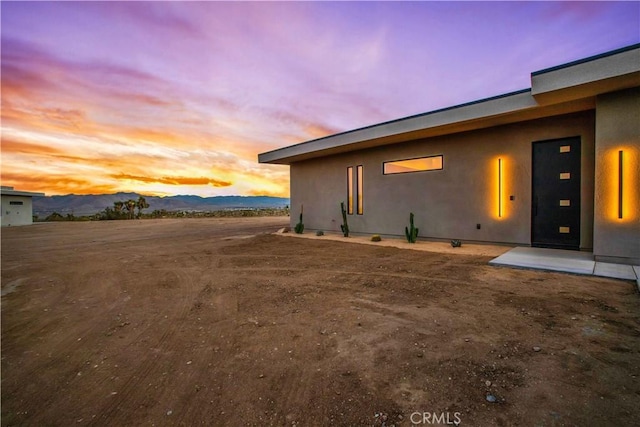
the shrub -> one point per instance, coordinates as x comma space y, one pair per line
456, 243
319, 233
376, 238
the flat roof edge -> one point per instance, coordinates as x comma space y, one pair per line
21, 193
589, 59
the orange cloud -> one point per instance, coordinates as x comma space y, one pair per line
48, 119
315, 130
75, 122
174, 180
54, 184
148, 135
63, 118
13, 146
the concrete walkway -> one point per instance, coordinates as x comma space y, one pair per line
565, 261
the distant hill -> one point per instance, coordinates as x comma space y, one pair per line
90, 204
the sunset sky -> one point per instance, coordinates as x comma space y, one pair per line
167, 98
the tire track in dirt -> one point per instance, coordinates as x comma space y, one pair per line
223, 306
298, 394
166, 344
326, 271
71, 343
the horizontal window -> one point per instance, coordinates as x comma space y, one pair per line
413, 165
15, 203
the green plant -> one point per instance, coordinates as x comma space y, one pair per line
456, 243
376, 238
411, 232
319, 233
299, 228
141, 204
344, 226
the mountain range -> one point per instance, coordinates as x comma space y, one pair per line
90, 204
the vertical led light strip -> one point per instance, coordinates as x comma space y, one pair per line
499, 188
620, 184
360, 189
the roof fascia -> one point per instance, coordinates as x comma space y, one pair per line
592, 76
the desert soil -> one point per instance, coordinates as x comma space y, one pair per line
219, 322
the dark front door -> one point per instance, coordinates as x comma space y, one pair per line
555, 207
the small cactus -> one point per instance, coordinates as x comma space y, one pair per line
344, 226
319, 233
376, 238
456, 243
299, 228
411, 232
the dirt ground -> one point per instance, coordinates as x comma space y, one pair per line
218, 322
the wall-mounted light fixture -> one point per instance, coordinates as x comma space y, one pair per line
499, 188
620, 173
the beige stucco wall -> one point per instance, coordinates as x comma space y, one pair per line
617, 128
13, 215
447, 203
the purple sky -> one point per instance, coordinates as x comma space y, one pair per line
180, 97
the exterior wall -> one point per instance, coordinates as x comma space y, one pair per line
12, 215
447, 203
617, 128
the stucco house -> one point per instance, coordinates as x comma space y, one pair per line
16, 207
557, 165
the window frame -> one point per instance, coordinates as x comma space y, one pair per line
349, 190
414, 171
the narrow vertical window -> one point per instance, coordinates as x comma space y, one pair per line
359, 190
350, 190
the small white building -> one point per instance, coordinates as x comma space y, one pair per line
16, 207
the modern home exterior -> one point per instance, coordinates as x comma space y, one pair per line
557, 165
16, 207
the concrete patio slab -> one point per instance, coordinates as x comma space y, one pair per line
618, 271
567, 262
547, 259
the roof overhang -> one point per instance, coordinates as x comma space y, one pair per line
560, 90
589, 77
